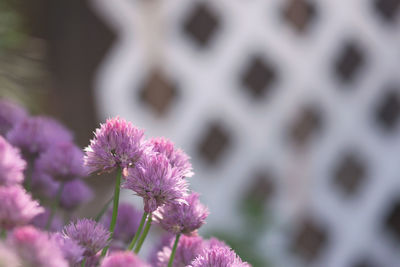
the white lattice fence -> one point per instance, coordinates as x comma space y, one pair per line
300, 97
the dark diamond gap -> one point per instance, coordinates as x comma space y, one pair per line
259, 77
261, 188
306, 125
214, 143
392, 220
350, 174
256, 198
387, 9
158, 92
299, 14
349, 62
365, 262
388, 110
201, 24
309, 241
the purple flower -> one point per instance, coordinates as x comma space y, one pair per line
88, 234
74, 194
62, 161
10, 114
165, 240
36, 248
128, 220
218, 256
187, 250
117, 143
36, 134
214, 242
156, 182
123, 259
8, 257
17, 207
94, 260
43, 184
71, 250
185, 219
177, 158
11, 164
40, 221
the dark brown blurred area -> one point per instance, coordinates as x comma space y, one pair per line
76, 41
51, 71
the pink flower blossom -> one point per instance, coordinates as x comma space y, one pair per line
177, 158
156, 182
89, 234
36, 248
182, 219
17, 207
117, 143
123, 259
11, 164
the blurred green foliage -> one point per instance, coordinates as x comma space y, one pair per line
256, 220
23, 75
11, 30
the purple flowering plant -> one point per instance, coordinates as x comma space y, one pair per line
42, 175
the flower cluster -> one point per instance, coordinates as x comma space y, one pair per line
117, 143
17, 207
12, 166
157, 182
42, 171
36, 248
89, 234
10, 114
185, 219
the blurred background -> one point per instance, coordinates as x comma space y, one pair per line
288, 108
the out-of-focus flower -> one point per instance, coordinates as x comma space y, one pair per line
74, 194
156, 182
43, 184
177, 158
36, 248
94, 260
123, 259
165, 240
17, 207
89, 234
187, 250
214, 242
40, 221
8, 257
117, 143
11, 164
36, 134
62, 161
218, 256
128, 220
10, 114
72, 252
185, 219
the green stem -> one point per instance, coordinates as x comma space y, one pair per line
83, 262
28, 183
54, 205
103, 210
115, 209
145, 232
139, 230
3, 234
28, 175
171, 258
